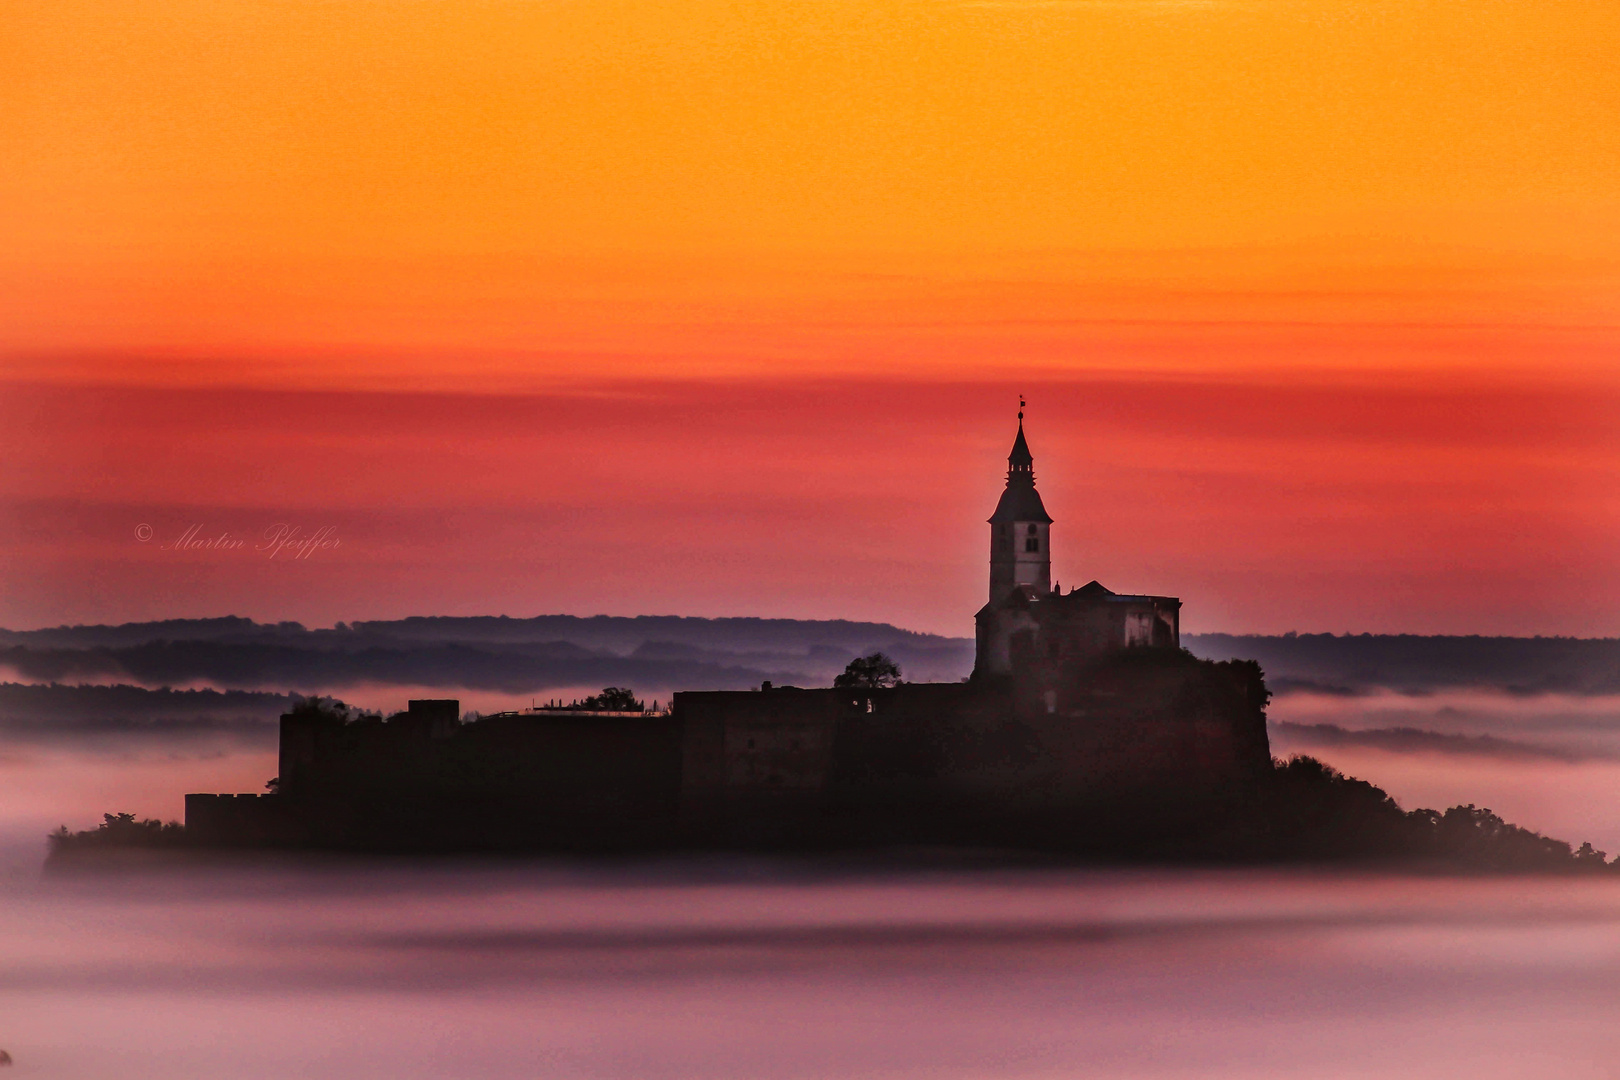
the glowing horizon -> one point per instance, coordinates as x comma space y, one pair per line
1364, 256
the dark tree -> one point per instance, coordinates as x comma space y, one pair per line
873, 671
119, 831
331, 710
614, 699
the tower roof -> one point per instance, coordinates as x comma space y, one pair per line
1020, 502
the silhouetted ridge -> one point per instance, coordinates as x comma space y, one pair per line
491, 653
1342, 664
532, 655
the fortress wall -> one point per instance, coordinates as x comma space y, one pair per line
1027, 758
951, 760
238, 820
754, 754
423, 780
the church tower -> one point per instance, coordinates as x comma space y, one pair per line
1020, 529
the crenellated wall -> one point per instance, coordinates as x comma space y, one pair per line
423, 780
1036, 758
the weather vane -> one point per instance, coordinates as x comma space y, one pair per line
1020, 406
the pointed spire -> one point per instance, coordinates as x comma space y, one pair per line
1020, 463
1020, 460
1020, 502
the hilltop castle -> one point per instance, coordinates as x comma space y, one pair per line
1084, 724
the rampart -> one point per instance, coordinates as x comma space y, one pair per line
1055, 756
1135, 743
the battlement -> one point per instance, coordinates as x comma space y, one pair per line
247, 820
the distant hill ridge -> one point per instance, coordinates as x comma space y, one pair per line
478, 652
51, 711
1412, 663
666, 652
591, 630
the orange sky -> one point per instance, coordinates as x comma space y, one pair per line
1319, 299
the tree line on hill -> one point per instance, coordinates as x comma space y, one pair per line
523, 656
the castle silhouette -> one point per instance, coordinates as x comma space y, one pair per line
1084, 725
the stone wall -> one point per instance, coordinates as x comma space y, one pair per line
996, 761
1060, 753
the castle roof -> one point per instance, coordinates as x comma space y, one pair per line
1095, 592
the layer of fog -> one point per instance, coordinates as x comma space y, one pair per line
709, 968
1547, 762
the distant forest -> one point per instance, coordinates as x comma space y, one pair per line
51, 710
662, 653
1408, 663
519, 656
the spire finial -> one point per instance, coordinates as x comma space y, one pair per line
1019, 462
